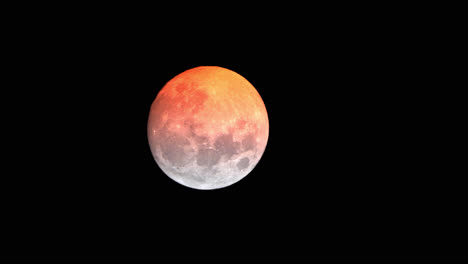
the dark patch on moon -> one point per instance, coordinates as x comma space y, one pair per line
192, 126
225, 145
207, 157
173, 150
248, 142
243, 163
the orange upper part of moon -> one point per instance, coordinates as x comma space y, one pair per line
204, 123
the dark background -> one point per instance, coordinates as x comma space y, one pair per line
360, 161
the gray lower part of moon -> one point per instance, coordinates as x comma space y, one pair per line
203, 163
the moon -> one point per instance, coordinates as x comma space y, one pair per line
208, 128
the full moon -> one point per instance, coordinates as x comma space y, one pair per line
208, 128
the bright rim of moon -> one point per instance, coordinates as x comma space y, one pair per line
208, 128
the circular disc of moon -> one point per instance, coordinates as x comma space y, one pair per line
208, 128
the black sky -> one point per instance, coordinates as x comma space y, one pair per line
356, 163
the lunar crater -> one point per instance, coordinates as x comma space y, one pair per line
243, 163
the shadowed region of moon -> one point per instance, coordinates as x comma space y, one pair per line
208, 128
177, 150
243, 163
225, 145
207, 157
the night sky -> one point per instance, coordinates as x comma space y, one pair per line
356, 165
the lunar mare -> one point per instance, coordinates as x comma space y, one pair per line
208, 128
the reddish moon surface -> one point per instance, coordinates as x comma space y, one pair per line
208, 128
